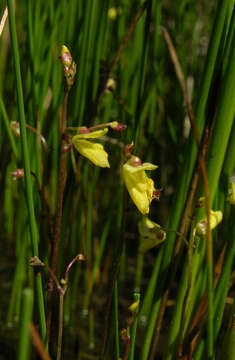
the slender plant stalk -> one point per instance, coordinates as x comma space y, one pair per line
116, 269
28, 185
58, 222
134, 328
25, 322
60, 332
117, 335
37, 342
183, 313
8, 128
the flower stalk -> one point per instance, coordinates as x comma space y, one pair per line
69, 72
61, 289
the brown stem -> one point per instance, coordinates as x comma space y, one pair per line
60, 333
58, 221
41, 137
127, 351
38, 343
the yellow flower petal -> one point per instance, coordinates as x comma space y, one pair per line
139, 186
92, 135
142, 167
93, 151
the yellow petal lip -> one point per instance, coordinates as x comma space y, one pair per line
93, 151
91, 135
143, 167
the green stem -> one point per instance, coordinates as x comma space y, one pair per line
8, 128
116, 320
25, 321
183, 314
134, 328
24, 144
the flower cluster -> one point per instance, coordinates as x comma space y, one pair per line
139, 185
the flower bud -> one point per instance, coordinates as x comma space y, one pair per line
35, 261
15, 127
66, 57
116, 126
81, 257
69, 66
136, 161
112, 13
134, 306
83, 130
128, 149
63, 281
17, 174
200, 202
110, 85
125, 335
67, 147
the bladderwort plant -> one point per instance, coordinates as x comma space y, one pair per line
74, 183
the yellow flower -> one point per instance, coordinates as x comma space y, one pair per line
139, 186
134, 306
215, 218
151, 234
93, 151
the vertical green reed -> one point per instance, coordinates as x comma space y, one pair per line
28, 185
8, 128
134, 328
27, 310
